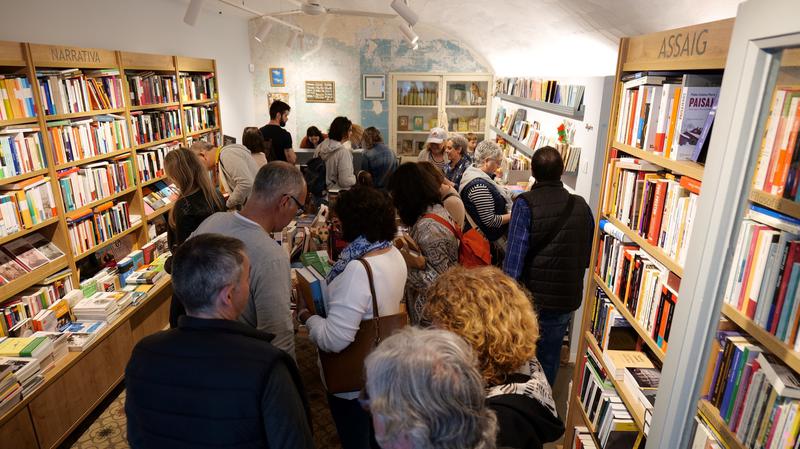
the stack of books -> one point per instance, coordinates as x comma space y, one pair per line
604, 408
78, 139
198, 86
158, 195
27, 372
98, 307
313, 287
152, 88
149, 126
27, 203
21, 150
583, 439
59, 341
86, 184
82, 334
10, 388
39, 348
16, 97
199, 118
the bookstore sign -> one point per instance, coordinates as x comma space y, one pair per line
702, 46
62, 56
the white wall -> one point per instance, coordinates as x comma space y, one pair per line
146, 26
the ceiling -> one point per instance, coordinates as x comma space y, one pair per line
534, 37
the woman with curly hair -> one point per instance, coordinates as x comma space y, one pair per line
492, 313
368, 225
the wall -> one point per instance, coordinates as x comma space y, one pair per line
147, 26
341, 49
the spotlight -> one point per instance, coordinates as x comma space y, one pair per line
292, 38
263, 30
405, 12
408, 33
192, 12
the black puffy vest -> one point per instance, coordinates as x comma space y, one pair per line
555, 274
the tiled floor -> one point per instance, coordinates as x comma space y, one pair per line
105, 429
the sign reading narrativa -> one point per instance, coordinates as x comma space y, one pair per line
74, 55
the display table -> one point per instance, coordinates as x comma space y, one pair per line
81, 380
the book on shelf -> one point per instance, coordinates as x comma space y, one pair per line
27, 372
158, 195
550, 91
150, 126
152, 88
212, 137
413, 95
704, 436
198, 86
16, 97
82, 334
643, 382
21, 150
313, 288
619, 361
88, 227
199, 118
93, 182
71, 91
27, 203
151, 160
583, 439
78, 139
98, 307
668, 113
777, 171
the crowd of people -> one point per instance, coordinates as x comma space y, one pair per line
473, 369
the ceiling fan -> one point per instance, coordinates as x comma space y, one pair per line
314, 8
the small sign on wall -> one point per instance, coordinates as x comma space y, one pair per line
374, 87
320, 92
282, 96
277, 77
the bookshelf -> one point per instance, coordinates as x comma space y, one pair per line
636, 54
458, 102
521, 147
562, 110
81, 380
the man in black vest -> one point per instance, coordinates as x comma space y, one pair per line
214, 382
549, 245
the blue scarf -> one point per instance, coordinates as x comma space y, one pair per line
355, 250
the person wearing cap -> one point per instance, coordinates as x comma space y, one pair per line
434, 149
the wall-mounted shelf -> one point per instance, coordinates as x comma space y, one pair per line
524, 149
558, 109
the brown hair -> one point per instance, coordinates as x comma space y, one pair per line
428, 166
491, 312
253, 140
184, 169
372, 137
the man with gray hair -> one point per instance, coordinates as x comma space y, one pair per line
424, 391
278, 194
212, 381
458, 159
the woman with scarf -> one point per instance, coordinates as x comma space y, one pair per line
367, 220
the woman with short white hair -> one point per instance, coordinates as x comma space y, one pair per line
424, 391
487, 203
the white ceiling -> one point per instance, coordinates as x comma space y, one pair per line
534, 37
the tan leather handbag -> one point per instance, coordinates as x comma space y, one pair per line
344, 371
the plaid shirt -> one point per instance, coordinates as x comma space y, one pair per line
518, 235
454, 174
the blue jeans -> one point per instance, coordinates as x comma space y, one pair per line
552, 328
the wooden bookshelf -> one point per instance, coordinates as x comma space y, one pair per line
418, 106
32, 278
153, 180
776, 203
158, 142
89, 160
134, 227
106, 199
18, 121
199, 102
521, 147
26, 231
643, 53
576, 402
776, 346
552, 108
656, 251
202, 131
52, 118
643, 334
160, 211
145, 107
718, 425
688, 168
24, 176
635, 409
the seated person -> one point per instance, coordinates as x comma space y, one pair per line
491, 312
424, 391
313, 138
214, 382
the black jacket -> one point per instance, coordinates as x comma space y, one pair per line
554, 270
214, 383
523, 422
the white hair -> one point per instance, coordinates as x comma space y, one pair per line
459, 142
487, 150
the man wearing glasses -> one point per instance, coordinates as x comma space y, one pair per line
278, 191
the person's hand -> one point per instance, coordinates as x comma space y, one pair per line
412, 254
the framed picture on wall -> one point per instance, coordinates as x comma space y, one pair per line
374, 87
277, 77
282, 96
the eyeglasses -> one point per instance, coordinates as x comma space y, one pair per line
300, 207
363, 399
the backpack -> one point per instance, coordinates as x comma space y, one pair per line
473, 248
316, 176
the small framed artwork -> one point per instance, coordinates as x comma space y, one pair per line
402, 123
277, 77
374, 87
282, 96
418, 122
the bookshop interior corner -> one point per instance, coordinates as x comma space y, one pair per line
399, 224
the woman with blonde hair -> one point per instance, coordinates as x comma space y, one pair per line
494, 315
198, 199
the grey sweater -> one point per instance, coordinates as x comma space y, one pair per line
268, 308
338, 164
238, 171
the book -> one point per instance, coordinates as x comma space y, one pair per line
199, 118
418, 123
402, 123
644, 383
312, 289
619, 361
698, 95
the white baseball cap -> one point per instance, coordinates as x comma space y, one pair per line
437, 135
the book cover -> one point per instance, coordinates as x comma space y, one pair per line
402, 123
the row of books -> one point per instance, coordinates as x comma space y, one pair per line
16, 97
645, 287
149, 126
158, 195
78, 139
528, 133
604, 408
198, 86
670, 114
151, 161
30, 302
756, 395
765, 273
705, 437
21, 151
658, 206
583, 438
87, 184
549, 91
467, 124
415, 96
778, 169
212, 137
26, 203
88, 228
73, 91
199, 118
26, 254
152, 88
